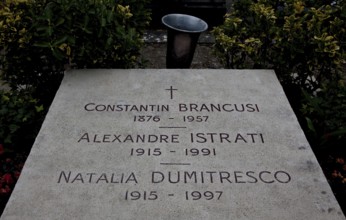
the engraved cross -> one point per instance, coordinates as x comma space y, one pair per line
171, 90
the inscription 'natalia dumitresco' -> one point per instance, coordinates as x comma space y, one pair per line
175, 177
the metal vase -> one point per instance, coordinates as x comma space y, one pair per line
182, 35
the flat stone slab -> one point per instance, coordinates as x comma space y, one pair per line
171, 144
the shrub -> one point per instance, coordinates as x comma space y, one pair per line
39, 39
325, 116
326, 130
20, 118
304, 41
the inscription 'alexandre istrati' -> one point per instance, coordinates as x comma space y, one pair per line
208, 137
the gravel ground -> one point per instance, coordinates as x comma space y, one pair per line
154, 56
154, 51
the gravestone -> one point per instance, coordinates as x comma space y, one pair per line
171, 144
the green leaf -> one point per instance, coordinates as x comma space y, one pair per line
50, 31
71, 40
42, 44
8, 140
87, 31
109, 41
48, 10
57, 54
5, 98
310, 125
60, 21
86, 20
42, 28
39, 108
103, 22
335, 133
13, 128
60, 41
110, 16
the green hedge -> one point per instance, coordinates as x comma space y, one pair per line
325, 114
21, 117
39, 39
304, 41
